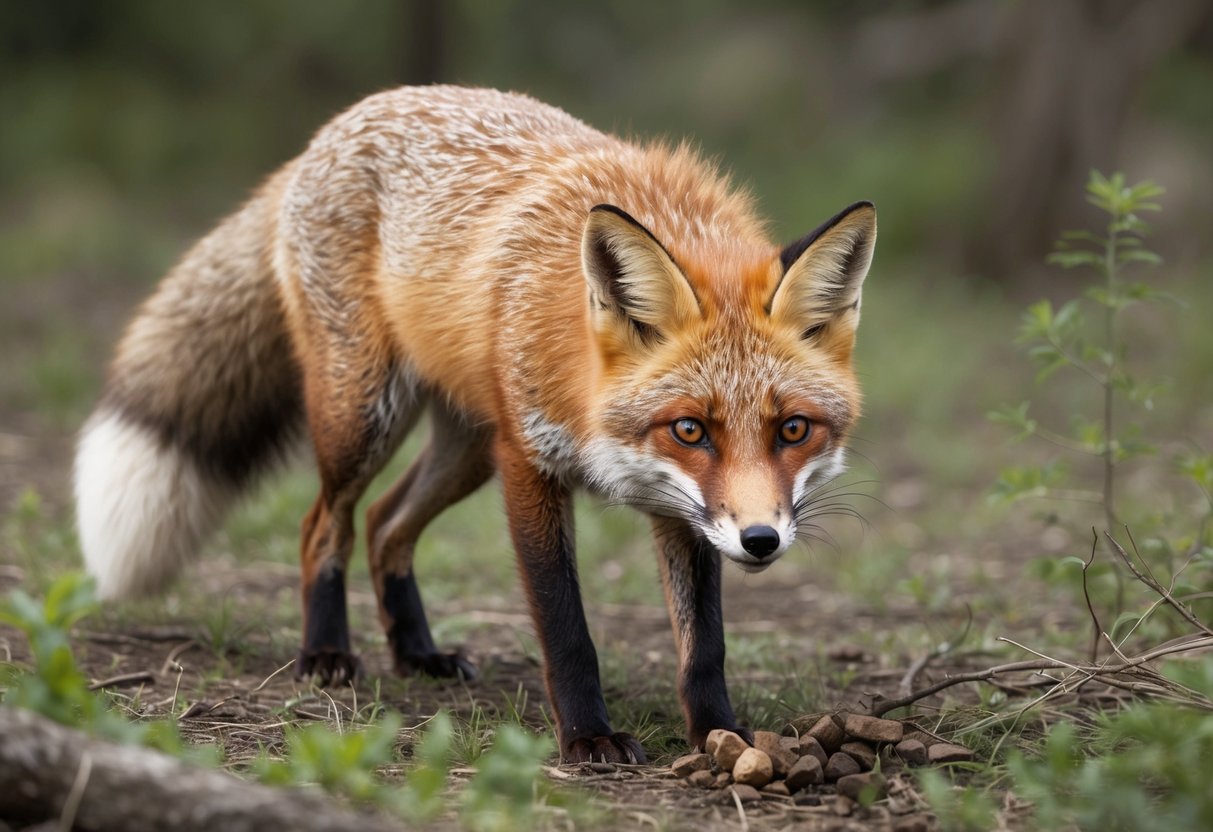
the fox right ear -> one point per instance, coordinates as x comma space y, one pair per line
632, 279
823, 277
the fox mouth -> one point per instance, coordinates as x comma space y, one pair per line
751, 566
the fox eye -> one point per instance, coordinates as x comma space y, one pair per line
689, 432
794, 431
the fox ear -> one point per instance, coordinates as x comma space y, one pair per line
823, 274
632, 278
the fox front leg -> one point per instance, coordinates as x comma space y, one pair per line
540, 513
690, 574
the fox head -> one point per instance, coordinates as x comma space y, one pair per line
727, 388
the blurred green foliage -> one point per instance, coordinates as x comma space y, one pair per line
1144, 767
55, 687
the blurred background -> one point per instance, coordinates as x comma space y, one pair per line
130, 126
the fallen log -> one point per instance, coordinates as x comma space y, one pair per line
50, 772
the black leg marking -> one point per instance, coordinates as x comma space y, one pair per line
702, 685
408, 634
572, 669
326, 653
540, 514
691, 570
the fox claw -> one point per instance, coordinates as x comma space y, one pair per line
327, 667
438, 665
617, 748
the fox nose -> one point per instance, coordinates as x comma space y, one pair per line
759, 541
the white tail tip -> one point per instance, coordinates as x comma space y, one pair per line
142, 508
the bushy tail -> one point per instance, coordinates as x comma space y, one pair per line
203, 394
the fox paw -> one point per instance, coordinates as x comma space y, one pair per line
327, 666
617, 748
438, 665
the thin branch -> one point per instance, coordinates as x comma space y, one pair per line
1102, 672
1086, 593
1153, 584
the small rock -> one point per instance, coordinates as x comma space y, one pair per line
890, 763
853, 785
781, 758
873, 729
828, 733
810, 747
843, 806
806, 771
723, 779
862, 752
729, 747
702, 779
753, 768
713, 741
601, 767
807, 799
922, 736
687, 765
789, 744
846, 653
913, 823
946, 752
912, 751
840, 765
747, 794
777, 788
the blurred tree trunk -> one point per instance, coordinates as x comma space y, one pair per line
1068, 72
1064, 77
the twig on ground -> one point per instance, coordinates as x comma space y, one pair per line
137, 636
1102, 672
170, 661
745, 823
71, 804
906, 686
266, 680
139, 676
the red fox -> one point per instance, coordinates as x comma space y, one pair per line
574, 310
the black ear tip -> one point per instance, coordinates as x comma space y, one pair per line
607, 208
793, 251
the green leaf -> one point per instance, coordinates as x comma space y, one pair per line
1138, 255
1084, 236
1024, 482
1199, 469
1077, 257
1016, 417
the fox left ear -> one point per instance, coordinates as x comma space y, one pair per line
632, 279
819, 292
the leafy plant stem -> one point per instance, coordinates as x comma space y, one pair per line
1109, 467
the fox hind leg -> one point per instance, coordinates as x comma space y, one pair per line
356, 426
454, 464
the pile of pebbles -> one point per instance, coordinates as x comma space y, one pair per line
840, 749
